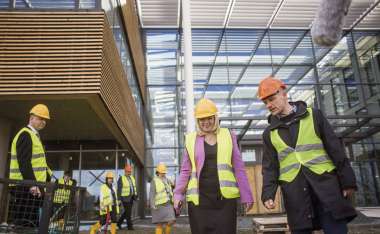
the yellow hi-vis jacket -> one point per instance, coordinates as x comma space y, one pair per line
309, 151
39, 165
164, 193
62, 194
227, 180
106, 200
126, 189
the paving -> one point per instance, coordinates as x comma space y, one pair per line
361, 225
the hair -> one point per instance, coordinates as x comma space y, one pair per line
67, 173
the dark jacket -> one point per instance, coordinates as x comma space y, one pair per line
309, 193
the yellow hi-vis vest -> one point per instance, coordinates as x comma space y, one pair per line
126, 189
62, 194
227, 180
106, 200
164, 193
39, 165
309, 151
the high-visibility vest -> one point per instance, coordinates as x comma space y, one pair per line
39, 165
309, 151
164, 193
126, 188
62, 194
106, 200
227, 180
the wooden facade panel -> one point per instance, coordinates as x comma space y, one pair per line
71, 53
135, 41
35, 59
118, 95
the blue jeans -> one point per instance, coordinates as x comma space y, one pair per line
329, 225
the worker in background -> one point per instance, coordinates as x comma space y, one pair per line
304, 156
127, 192
108, 203
63, 196
212, 175
161, 201
28, 162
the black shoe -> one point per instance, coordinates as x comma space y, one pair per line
119, 226
131, 228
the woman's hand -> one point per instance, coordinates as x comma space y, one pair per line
247, 206
177, 204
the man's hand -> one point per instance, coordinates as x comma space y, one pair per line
269, 204
347, 193
35, 191
248, 206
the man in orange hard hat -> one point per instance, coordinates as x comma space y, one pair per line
303, 155
28, 162
127, 192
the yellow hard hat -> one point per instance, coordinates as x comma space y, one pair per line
109, 174
205, 108
161, 168
40, 110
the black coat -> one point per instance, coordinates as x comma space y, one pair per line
308, 192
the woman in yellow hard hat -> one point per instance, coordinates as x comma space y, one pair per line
161, 201
212, 175
108, 205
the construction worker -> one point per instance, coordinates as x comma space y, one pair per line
28, 162
304, 156
127, 192
212, 175
108, 205
161, 201
62, 196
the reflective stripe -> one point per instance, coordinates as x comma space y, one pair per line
192, 191
17, 170
319, 159
308, 147
40, 169
285, 153
35, 156
225, 167
225, 183
193, 175
290, 167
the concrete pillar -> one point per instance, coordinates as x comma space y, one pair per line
5, 138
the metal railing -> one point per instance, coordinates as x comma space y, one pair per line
33, 207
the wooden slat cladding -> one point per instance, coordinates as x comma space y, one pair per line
134, 37
50, 52
118, 96
69, 53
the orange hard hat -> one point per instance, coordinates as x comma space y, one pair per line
269, 86
128, 168
205, 108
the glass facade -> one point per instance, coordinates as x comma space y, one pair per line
228, 65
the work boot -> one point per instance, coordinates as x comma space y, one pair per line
168, 229
113, 228
95, 228
159, 229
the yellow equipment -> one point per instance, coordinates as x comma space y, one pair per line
205, 108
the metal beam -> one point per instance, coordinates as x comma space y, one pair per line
219, 43
364, 14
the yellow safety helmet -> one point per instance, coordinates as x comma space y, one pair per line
205, 108
161, 168
109, 175
40, 110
